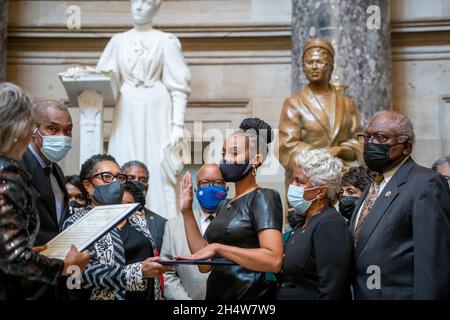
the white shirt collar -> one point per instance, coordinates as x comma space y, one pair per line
204, 216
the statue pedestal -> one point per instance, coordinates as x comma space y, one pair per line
90, 91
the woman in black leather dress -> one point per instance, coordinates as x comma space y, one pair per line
247, 228
19, 223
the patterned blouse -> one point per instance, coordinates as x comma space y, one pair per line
107, 275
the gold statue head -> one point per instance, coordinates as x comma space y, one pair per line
318, 60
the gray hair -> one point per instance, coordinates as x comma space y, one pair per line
16, 115
443, 160
402, 123
322, 169
135, 163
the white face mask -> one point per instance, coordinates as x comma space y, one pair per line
143, 11
297, 200
55, 148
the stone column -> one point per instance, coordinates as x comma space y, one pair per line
360, 33
3, 28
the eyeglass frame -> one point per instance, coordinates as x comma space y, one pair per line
366, 138
214, 183
115, 177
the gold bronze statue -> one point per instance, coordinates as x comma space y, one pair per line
319, 116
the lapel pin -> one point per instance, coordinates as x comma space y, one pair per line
388, 194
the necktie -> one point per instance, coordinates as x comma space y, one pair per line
368, 204
47, 171
53, 184
210, 218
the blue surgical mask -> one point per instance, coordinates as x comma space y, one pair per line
210, 197
55, 148
297, 200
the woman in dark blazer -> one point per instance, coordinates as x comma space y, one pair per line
318, 252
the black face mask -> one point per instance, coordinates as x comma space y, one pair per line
140, 198
109, 194
233, 172
76, 205
295, 218
347, 206
376, 156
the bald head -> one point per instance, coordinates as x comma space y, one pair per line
46, 107
209, 172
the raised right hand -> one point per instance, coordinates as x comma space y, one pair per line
186, 194
76, 258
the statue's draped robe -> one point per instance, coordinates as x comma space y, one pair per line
155, 84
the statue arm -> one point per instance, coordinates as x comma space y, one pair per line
177, 78
109, 60
290, 135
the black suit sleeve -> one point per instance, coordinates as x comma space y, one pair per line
431, 234
333, 250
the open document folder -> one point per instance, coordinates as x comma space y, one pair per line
92, 226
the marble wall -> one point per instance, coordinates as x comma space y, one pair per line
360, 34
421, 73
239, 52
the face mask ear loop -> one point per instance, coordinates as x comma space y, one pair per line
36, 131
317, 197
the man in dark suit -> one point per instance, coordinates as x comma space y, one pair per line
401, 224
138, 173
50, 143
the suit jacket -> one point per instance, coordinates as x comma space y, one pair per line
155, 224
184, 282
406, 237
44, 198
305, 125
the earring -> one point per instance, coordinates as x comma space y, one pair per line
254, 171
15, 140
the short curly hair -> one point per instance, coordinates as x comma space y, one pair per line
88, 168
358, 177
322, 169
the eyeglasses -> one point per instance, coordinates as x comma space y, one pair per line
108, 177
143, 180
206, 183
380, 138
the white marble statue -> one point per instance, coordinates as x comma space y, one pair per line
149, 114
